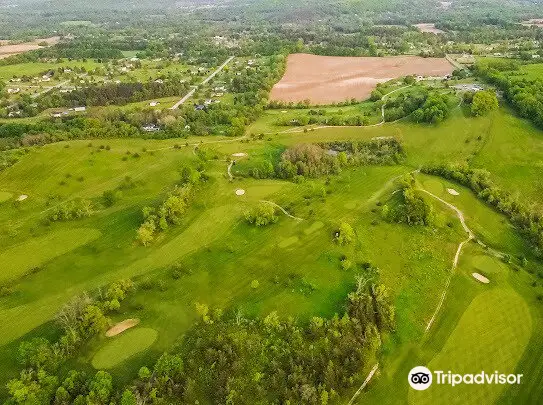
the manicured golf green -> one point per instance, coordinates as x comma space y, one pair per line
120, 348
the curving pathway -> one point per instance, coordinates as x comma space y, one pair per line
471, 236
282, 209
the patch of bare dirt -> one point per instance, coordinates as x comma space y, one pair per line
330, 79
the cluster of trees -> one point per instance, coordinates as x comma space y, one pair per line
379, 151
262, 214
407, 206
308, 160
526, 95
271, 360
9, 158
71, 210
84, 47
434, 110
81, 319
114, 94
404, 104
528, 221
313, 160
481, 102
169, 212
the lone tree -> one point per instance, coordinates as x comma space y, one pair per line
483, 102
261, 215
345, 235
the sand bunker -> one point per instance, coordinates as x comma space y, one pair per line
22, 197
121, 327
330, 79
239, 154
240, 191
452, 191
481, 278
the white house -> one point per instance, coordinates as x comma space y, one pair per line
150, 128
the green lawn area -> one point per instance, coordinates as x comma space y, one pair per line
120, 348
296, 263
16, 262
491, 335
5, 196
35, 68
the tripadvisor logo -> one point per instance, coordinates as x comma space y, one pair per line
420, 378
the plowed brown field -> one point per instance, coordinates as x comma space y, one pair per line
330, 79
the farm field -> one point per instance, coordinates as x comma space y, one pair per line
429, 28
7, 49
326, 79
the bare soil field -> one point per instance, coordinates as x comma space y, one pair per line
538, 22
6, 49
330, 79
431, 28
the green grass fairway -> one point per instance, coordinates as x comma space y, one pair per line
19, 259
5, 196
487, 265
491, 335
122, 347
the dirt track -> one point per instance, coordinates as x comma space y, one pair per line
330, 79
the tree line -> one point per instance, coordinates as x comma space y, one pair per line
524, 94
528, 220
114, 93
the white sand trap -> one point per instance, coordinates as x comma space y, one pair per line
240, 191
239, 154
481, 278
121, 327
22, 197
284, 111
452, 191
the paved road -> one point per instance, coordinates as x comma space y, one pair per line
48, 89
207, 79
